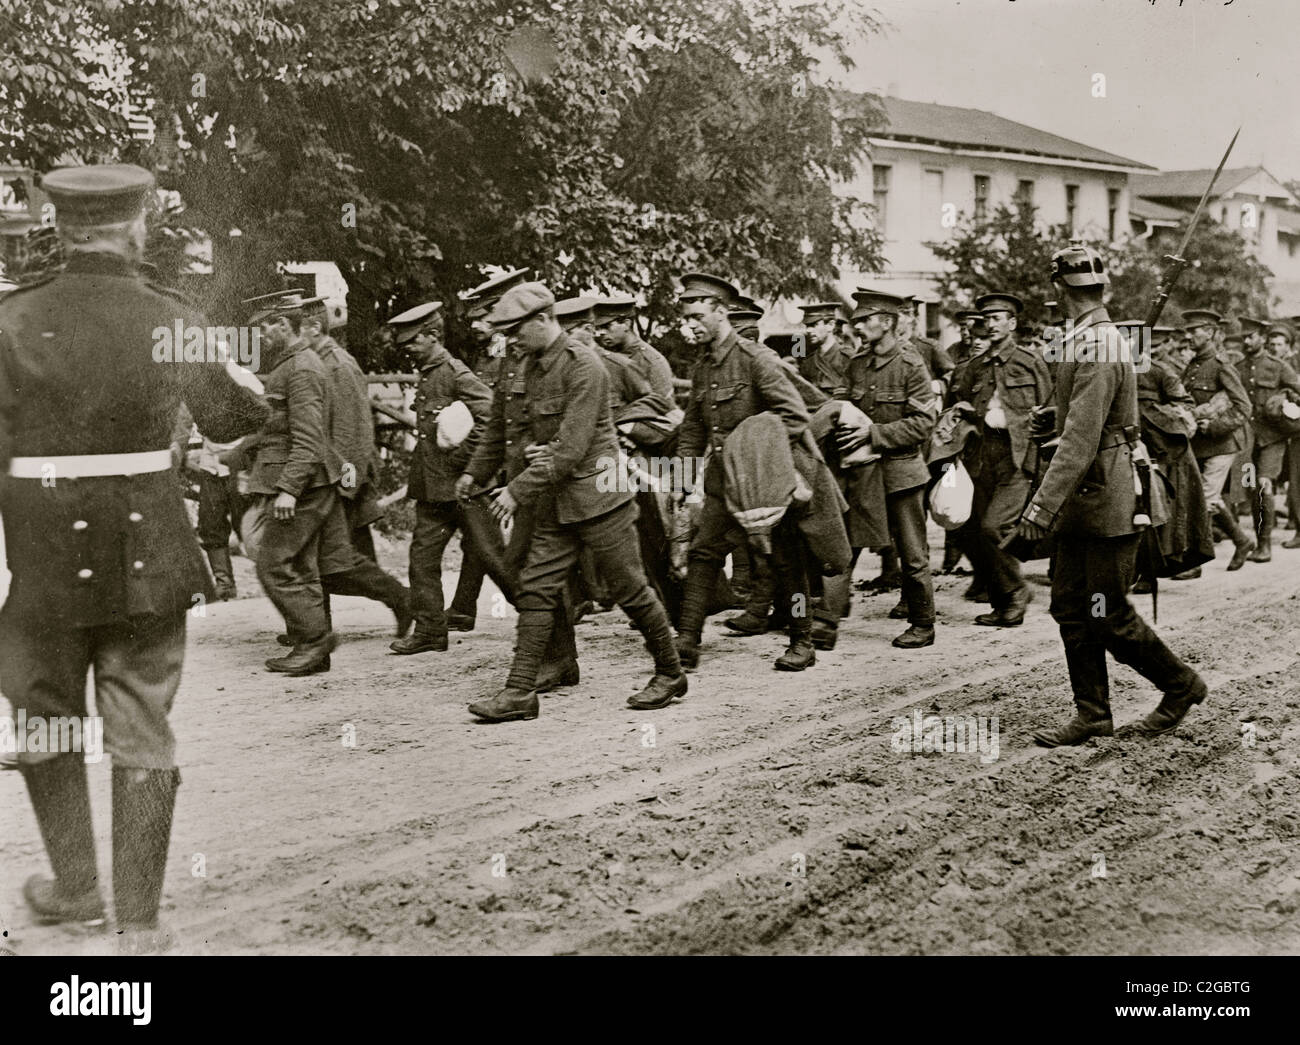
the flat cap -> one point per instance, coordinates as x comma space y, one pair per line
868, 302
1198, 317
572, 311
821, 310
410, 324
999, 302
103, 194
520, 303
702, 285
1078, 266
620, 306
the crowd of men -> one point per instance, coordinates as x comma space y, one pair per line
788, 458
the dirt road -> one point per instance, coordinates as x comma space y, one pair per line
363, 812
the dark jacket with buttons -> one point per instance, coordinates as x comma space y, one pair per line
1026, 382
79, 375
1264, 376
443, 381
735, 380
1203, 377
294, 452
565, 406
892, 387
829, 369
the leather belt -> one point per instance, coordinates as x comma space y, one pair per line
85, 466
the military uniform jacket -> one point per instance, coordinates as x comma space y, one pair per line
938, 363
1088, 486
351, 421
78, 376
828, 369
735, 380
443, 381
654, 370
566, 407
1264, 376
1024, 380
1165, 407
630, 395
1203, 377
294, 452
892, 387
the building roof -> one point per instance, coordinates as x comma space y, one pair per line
974, 128
1168, 185
1150, 210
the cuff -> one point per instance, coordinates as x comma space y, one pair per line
1042, 515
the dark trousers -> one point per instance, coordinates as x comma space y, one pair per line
1001, 488
1090, 584
435, 523
473, 571
554, 551
288, 561
715, 535
906, 513
220, 509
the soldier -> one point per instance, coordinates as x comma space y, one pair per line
220, 509
891, 386
938, 364
573, 447
1265, 377
105, 564
1002, 385
1087, 499
965, 539
825, 360
960, 350
1222, 412
615, 323
744, 316
444, 380
1279, 345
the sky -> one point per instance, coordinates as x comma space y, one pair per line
1178, 80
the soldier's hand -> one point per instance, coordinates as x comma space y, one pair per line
285, 505
464, 485
504, 505
1203, 424
1042, 422
535, 452
1031, 531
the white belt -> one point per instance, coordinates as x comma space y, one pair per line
83, 466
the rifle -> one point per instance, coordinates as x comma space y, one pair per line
1176, 263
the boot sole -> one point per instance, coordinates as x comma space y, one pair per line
418, 649
517, 716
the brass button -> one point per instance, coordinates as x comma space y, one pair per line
80, 525
85, 575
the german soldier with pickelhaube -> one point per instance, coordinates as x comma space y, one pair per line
999, 389
1088, 503
104, 560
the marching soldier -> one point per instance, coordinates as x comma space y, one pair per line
444, 381
1265, 377
1222, 412
1087, 500
572, 447
105, 564
1002, 386
825, 360
891, 386
734, 379
1279, 344
615, 323
744, 316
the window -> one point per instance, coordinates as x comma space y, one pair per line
1025, 192
981, 196
932, 197
1071, 206
1112, 212
880, 196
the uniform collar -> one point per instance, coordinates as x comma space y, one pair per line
439, 357
547, 357
100, 264
891, 349
1001, 353
719, 352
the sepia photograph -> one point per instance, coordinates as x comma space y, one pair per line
665, 477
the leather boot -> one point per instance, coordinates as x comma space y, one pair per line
825, 632
801, 653
1091, 719
890, 575
1264, 524
1010, 617
900, 611
509, 705
460, 622
747, 624
951, 558
143, 800
976, 592
1294, 542
1243, 542
307, 658
688, 650
1194, 574
661, 691
223, 572
419, 643
915, 637
1171, 710
61, 801
555, 673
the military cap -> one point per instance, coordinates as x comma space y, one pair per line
414, 321
980, 326
572, 311
1166, 331
520, 303
1078, 266
702, 285
745, 309
621, 306
820, 310
869, 302
963, 314
1233, 339
265, 306
1284, 330
1249, 324
295, 302
480, 299
103, 194
999, 302
1197, 317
